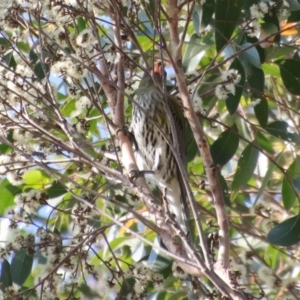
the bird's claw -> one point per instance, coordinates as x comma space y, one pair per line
130, 135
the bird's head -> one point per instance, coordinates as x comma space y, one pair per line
158, 74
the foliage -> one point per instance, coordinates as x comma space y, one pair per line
76, 225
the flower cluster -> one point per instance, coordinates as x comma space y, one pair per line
30, 201
144, 277
13, 167
257, 11
229, 79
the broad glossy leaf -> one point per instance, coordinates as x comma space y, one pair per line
290, 74
202, 15
208, 10
278, 52
280, 129
271, 20
5, 275
286, 233
41, 70
250, 55
225, 190
7, 192
271, 69
33, 56
227, 15
194, 52
256, 80
158, 260
56, 189
196, 16
9, 59
288, 190
126, 287
4, 149
4, 42
261, 52
21, 266
262, 112
246, 166
294, 16
36, 179
266, 178
232, 102
264, 143
224, 148
294, 5
81, 23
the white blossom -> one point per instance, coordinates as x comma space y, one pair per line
255, 102
252, 29
198, 104
14, 178
29, 201
256, 12
221, 92
231, 76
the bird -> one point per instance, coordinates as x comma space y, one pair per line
153, 153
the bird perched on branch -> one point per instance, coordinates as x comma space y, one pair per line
150, 127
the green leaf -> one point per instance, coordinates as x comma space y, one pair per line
292, 174
4, 42
192, 148
5, 275
21, 266
25, 47
158, 260
4, 148
68, 107
290, 74
36, 179
261, 52
126, 287
145, 42
280, 130
202, 15
277, 53
232, 102
266, 178
33, 56
295, 15
56, 190
271, 24
262, 112
225, 190
196, 16
256, 80
8, 193
264, 143
208, 9
81, 23
227, 15
250, 55
246, 166
223, 149
41, 70
286, 233
9, 59
194, 52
